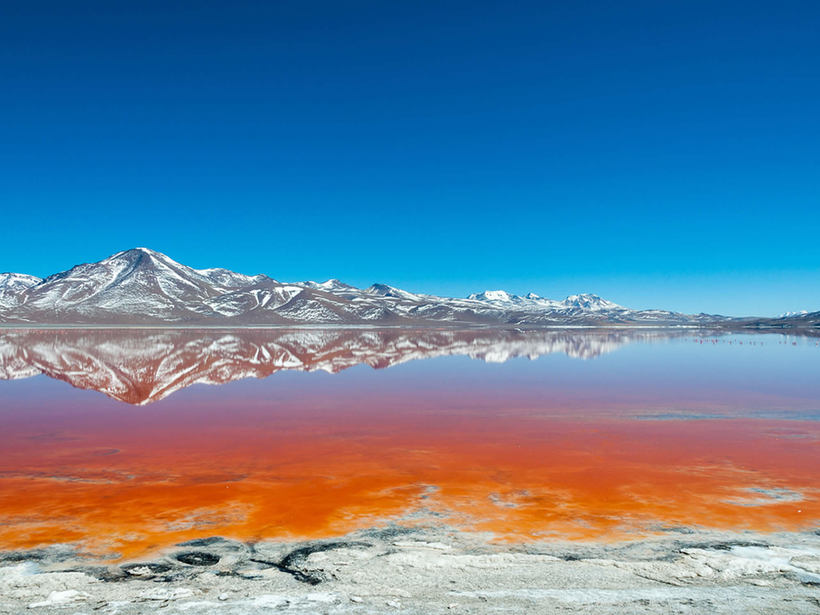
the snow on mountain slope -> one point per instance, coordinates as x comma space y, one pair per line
15, 282
12, 285
332, 285
139, 282
590, 302
383, 290
265, 295
496, 296
532, 301
226, 279
141, 286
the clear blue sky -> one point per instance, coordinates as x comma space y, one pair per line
661, 154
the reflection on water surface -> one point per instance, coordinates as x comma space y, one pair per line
143, 366
657, 430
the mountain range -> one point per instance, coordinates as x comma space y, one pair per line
144, 287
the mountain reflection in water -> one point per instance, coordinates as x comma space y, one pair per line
143, 366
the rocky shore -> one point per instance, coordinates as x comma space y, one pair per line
429, 570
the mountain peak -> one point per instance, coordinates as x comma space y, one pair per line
328, 285
589, 301
385, 290
494, 295
12, 285
584, 301
138, 253
18, 280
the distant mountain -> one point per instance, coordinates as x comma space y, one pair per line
143, 287
12, 286
793, 320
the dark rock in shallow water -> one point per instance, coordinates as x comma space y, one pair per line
292, 563
297, 556
153, 571
152, 567
571, 558
675, 529
388, 533
724, 545
197, 558
57, 553
202, 542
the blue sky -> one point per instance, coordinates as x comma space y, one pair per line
661, 154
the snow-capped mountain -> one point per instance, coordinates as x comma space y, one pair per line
11, 287
143, 287
790, 314
531, 301
803, 319
140, 366
590, 302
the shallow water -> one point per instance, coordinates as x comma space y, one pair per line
603, 435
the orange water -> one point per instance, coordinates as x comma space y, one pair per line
130, 483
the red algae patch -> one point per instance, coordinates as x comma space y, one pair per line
129, 483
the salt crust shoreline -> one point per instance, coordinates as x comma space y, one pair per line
429, 570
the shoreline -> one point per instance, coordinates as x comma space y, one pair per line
434, 569
712, 328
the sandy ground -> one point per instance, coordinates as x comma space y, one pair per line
430, 570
